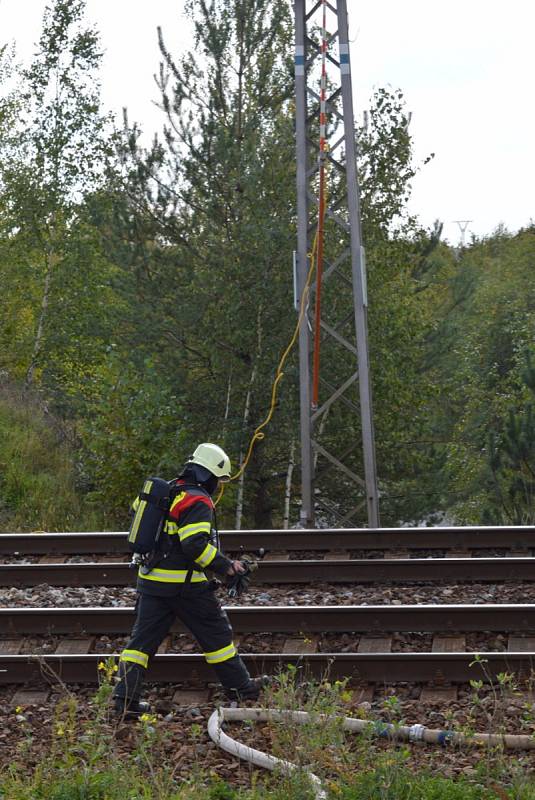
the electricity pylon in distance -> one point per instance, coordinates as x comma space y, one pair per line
337, 434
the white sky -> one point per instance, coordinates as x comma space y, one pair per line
466, 68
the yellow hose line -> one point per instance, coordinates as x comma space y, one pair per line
258, 434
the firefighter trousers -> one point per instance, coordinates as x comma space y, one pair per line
199, 610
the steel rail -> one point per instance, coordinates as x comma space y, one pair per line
373, 667
509, 537
286, 619
292, 572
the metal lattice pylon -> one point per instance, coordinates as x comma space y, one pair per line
345, 401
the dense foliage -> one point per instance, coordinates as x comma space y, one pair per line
147, 293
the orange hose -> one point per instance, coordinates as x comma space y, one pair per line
321, 210
319, 274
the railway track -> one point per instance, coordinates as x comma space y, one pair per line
385, 668
509, 538
286, 619
373, 660
333, 570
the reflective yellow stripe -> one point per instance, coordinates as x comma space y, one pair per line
139, 512
135, 504
221, 655
207, 555
172, 576
177, 499
193, 528
171, 528
136, 656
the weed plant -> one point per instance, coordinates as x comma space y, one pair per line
38, 471
85, 760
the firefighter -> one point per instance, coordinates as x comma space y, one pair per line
177, 586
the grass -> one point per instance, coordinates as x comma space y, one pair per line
85, 760
37, 471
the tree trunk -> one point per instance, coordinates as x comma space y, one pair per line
241, 479
246, 415
227, 406
288, 492
321, 428
51, 260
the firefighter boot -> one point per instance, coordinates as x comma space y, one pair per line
126, 693
251, 690
132, 710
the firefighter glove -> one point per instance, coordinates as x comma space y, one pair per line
239, 583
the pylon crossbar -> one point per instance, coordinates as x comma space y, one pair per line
347, 517
332, 268
344, 255
339, 167
343, 399
334, 397
317, 48
338, 164
330, 104
340, 339
331, 509
345, 226
353, 475
331, 213
312, 60
334, 147
313, 10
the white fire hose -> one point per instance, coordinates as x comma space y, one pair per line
411, 733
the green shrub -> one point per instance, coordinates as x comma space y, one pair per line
390, 781
37, 471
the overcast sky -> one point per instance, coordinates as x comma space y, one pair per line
466, 68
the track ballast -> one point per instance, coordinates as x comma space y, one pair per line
331, 563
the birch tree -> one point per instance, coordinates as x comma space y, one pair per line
53, 158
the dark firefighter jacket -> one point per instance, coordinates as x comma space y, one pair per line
190, 545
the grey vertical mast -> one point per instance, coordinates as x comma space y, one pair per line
345, 274
303, 158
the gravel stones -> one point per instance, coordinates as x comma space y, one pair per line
318, 594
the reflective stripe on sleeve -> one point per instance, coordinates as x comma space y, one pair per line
221, 655
207, 555
136, 657
172, 576
193, 528
171, 528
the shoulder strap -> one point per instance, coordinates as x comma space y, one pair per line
187, 496
161, 502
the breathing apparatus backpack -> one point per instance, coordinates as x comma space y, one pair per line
151, 508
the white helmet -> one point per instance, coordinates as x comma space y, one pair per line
212, 458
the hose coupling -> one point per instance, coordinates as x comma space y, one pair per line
416, 733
